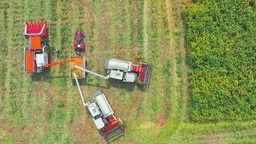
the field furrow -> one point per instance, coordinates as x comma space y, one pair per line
182, 68
72, 98
74, 113
145, 29
173, 66
8, 60
3, 50
13, 100
35, 86
98, 36
60, 32
155, 92
3, 43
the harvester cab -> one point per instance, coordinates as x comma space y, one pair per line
103, 116
79, 45
37, 52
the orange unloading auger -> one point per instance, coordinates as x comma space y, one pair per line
77, 63
56, 63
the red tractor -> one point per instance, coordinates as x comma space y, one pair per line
79, 45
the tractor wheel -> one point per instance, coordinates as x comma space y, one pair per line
47, 49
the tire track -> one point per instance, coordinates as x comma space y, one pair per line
27, 78
3, 52
102, 26
172, 55
13, 99
125, 52
114, 42
127, 47
28, 108
184, 67
145, 29
170, 61
34, 87
177, 69
13, 82
97, 56
43, 100
177, 41
58, 130
75, 109
71, 95
153, 23
8, 60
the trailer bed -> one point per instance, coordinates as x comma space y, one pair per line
77, 61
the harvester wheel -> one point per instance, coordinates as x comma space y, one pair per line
46, 49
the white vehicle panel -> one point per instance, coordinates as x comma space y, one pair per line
130, 77
116, 74
104, 105
118, 65
94, 109
39, 60
99, 123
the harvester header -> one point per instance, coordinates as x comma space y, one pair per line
35, 28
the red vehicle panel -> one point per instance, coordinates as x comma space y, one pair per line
29, 63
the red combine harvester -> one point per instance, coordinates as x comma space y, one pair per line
103, 115
37, 52
79, 45
125, 71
